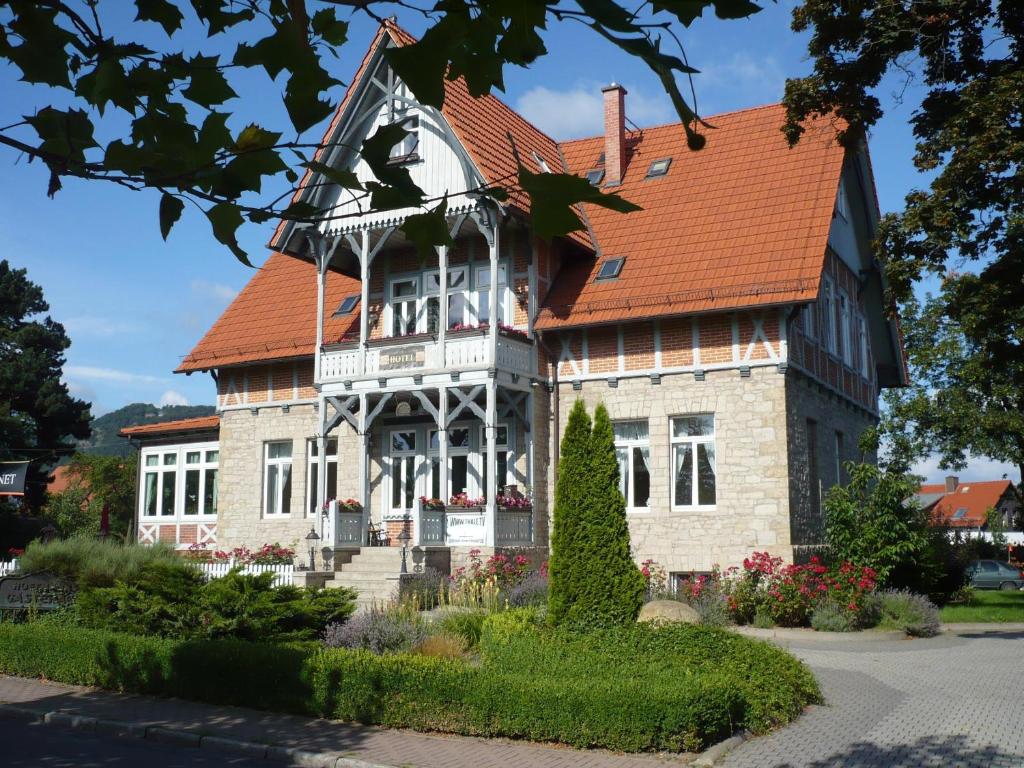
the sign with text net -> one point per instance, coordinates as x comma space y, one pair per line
12, 478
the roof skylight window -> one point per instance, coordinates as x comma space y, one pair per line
541, 163
960, 513
347, 305
611, 268
595, 176
658, 167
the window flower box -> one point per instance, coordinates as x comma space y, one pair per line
350, 505
435, 504
461, 500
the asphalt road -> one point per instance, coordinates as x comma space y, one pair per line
30, 745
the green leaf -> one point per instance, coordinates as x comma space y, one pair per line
163, 12
326, 25
376, 152
207, 84
254, 137
429, 229
422, 65
42, 57
225, 219
343, 177
552, 196
170, 211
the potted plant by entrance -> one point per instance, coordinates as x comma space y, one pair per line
463, 501
350, 505
431, 503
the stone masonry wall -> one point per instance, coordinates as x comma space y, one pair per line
752, 493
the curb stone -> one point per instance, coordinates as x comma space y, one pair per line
811, 635
717, 751
184, 738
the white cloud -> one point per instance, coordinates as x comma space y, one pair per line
173, 397
89, 325
738, 81
977, 469
89, 372
218, 291
579, 110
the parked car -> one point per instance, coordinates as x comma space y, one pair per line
993, 574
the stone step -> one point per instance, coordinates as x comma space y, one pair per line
379, 553
343, 577
388, 567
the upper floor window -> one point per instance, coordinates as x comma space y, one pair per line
829, 327
693, 461
808, 314
403, 301
633, 451
458, 302
845, 326
483, 291
313, 472
842, 202
862, 338
407, 150
414, 301
277, 477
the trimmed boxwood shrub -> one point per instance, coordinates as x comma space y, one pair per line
631, 689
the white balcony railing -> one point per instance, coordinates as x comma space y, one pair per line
423, 353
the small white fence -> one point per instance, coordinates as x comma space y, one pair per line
6, 569
282, 573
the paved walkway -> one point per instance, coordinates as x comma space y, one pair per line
954, 700
374, 745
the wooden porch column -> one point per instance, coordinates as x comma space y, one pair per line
442, 278
364, 309
364, 465
442, 442
321, 472
491, 430
494, 318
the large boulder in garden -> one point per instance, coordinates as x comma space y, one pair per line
668, 611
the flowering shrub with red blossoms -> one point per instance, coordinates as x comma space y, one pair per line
788, 594
463, 500
499, 569
15, 552
514, 501
268, 554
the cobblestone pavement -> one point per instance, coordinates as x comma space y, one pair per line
950, 701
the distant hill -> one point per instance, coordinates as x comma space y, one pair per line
104, 440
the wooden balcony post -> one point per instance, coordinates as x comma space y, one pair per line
364, 465
364, 299
491, 430
442, 330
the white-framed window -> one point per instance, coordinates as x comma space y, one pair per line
180, 482
845, 326
403, 300
313, 471
160, 483
408, 149
633, 451
277, 478
403, 461
809, 325
201, 479
459, 451
842, 202
829, 308
693, 461
458, 300
501, 442
482, 281
862, 339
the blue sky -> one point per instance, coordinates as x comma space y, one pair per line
133, 305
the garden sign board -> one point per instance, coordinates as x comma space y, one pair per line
41, 591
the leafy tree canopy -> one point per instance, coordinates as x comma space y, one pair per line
37, 413
965, 344
179, 137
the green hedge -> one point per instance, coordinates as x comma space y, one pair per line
687, 688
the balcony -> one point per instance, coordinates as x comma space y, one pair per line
422, 353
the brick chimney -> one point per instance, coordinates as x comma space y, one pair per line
614, 134
952, 481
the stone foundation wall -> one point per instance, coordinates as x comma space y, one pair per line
752, 479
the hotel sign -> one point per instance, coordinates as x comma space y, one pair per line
465, 527
12, 478
403, 357
39, 591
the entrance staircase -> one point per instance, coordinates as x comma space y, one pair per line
373, 574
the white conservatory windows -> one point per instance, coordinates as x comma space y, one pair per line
458, 304
693, 461
313, 471
277, 478
180, 481
414, 300
483, 290
404, 296
633, 451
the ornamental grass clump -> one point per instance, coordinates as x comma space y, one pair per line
89, 561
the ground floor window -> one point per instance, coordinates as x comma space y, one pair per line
277, 478
403, 461
693, 461
313, 472
179, 481
633, 451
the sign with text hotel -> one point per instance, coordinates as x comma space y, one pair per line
12, 478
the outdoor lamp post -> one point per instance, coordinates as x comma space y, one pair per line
312, 537
404, 537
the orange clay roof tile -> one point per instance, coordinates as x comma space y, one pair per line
197, 424
974, 497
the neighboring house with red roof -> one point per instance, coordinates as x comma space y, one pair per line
734, 327
955, 504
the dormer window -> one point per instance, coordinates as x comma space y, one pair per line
595, 176
960, 513
611, 268
407, 150
658, 167
347, 305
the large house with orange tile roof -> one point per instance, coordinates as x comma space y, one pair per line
967, 505
734, 327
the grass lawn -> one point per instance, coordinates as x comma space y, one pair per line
988, 606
